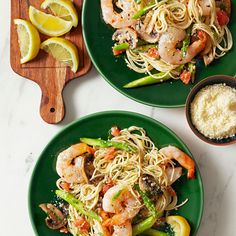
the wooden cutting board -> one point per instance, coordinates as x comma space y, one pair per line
51, 76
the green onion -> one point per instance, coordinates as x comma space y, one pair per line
116, 196
122, 46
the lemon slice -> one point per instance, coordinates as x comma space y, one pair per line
62, 50
29, 40
179, 225
49, 24
63, 9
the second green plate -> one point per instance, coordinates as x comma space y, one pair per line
169, 94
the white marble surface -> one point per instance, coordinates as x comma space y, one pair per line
23, 135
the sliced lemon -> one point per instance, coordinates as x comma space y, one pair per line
62, 50
63, 9
179, 225
49, 24
29, 40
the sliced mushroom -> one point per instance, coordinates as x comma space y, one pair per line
145, 30
55, 218
173, 174
126, 35
147, 183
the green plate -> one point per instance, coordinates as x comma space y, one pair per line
44, 176
169, 94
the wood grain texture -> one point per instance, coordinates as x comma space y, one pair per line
50, 75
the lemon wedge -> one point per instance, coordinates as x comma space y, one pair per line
62, 50
179, 225
29, 40
49, 24
63, 9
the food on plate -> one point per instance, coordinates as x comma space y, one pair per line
29, 40
48, 24
213, 111
164, 38
63, 9
62, 50
119, 186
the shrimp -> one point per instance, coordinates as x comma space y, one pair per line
167, 46
70, 164
206, 7
115, 19
120, 201
124, 229
182, 158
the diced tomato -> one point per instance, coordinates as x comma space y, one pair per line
110, 153
90, 150
222, 18
82, 224
65, 186
185, 76
107, 186
115, 131
153, 52
117, 52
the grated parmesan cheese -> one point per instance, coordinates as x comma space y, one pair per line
213, 111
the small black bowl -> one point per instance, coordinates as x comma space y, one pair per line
216, 79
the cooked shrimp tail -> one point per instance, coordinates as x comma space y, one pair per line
182, 158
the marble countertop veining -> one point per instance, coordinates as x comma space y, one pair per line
23, 135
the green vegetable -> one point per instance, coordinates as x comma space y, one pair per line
147, 80
154, 232
147, 202
186, 42
192, 69
137, 1
116, 196
144, 225
77, 204
106, 144
122, 46
144, 48
142, 12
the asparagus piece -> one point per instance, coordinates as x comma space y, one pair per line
77, 204
105, 144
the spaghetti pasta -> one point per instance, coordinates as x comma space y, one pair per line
110, 200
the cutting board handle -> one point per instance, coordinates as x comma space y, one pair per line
52, 105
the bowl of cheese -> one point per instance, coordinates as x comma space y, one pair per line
211, 110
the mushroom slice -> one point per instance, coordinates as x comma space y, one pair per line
55, 218
147, 183
126, 34
152, 37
